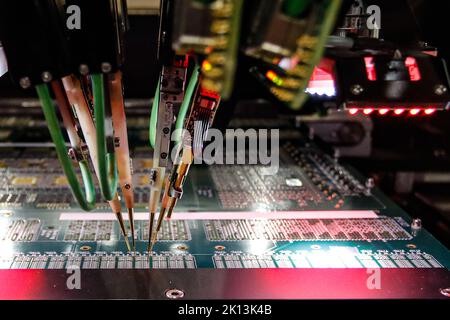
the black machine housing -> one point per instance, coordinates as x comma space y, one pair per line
40, 46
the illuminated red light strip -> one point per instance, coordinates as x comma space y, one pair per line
370, 68
397, 111
367, 111
353, 111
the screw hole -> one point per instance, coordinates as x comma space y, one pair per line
174, 293
445, 292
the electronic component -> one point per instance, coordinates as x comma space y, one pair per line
207, 232
203, 110
290, 47
211, 30
334, 258
169, 261
306, 230
399, 83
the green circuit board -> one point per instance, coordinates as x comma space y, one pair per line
314, 213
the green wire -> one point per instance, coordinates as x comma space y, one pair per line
107, 166
85, 199
294, 8
186, 103
154, 118
183, 109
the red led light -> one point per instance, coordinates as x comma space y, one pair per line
430, 111
322, 80
367, 111
383, 111
370, 68
353, 111
413, 68
399, 111
414, 111
271, 75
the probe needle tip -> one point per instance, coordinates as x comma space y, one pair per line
123, 229
150, 231
169, 213
131, 221
153, 241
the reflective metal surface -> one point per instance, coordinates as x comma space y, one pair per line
227, 284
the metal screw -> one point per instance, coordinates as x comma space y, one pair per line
440, 90
127, 186
357, 89
71, 154
84, 69
445, 292
106, 67
416, 224
163, 155
25, 82
370, 183
116, 142
46, 76
165, 130
174, 293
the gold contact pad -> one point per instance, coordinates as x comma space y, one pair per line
24, 181
60, 181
